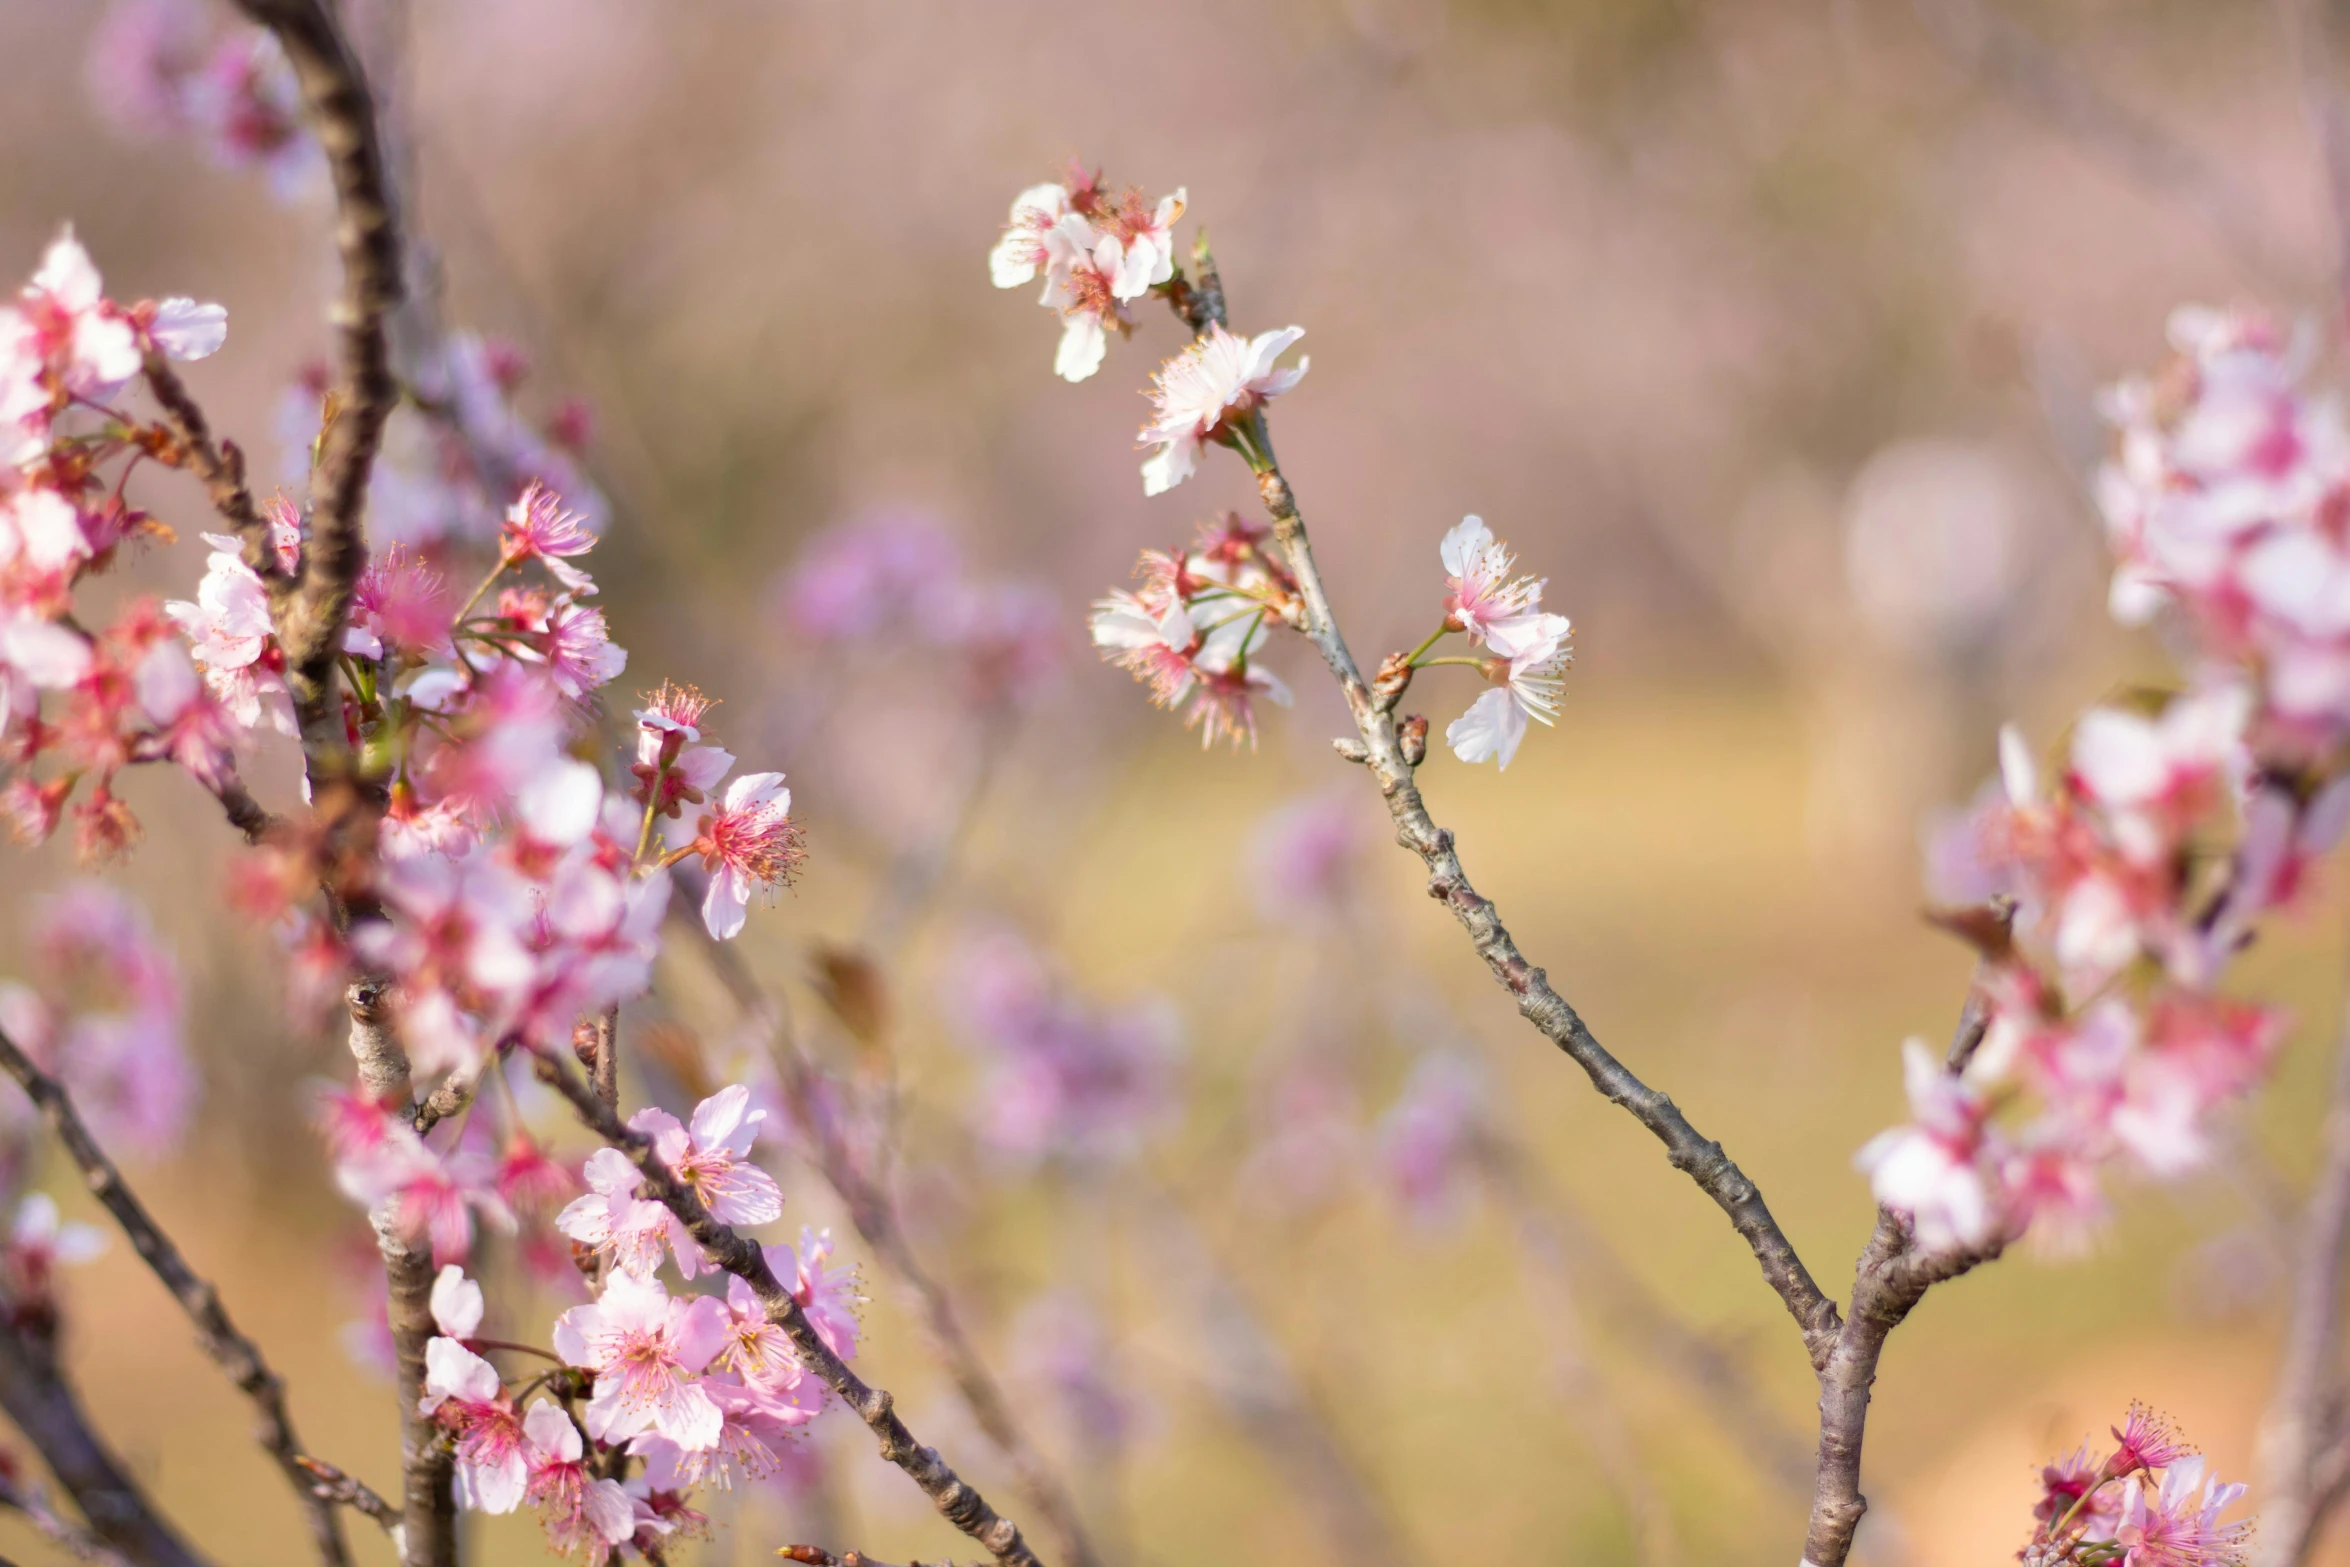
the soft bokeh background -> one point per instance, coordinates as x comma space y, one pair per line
1768, 331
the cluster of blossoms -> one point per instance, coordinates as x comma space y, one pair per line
155, 72
1190, 633
2148, 1503
1064, 1079
1097, 254
896, 580
1191, 630
696, 1389
514, 893
79, 704
1527, 648
2111, 904
2226, 503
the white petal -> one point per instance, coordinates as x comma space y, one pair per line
185, 330
1083, 343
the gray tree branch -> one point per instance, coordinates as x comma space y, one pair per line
236, 1355
309, 613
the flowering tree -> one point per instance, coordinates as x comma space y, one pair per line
484, 867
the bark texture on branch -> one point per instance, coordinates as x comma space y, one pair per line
956, 1499
310, 612
428, 1504
228, 1348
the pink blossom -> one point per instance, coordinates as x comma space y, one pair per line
529, 1179
2152, 777
538, 528
1931, 1169
648, 1353
757, 1430
1206, 392
2075, 1488
1484, 600
827, 1294
1529, 687
1021, 255
402, 605
2147, 1441
463, 1394
575, 1507
757, 1351
712, 1156
456, 1303
747, 843
1096, 254
229, 629
621, 1227
2177, 1526
579, 651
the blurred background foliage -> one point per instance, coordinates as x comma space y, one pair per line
1769, 330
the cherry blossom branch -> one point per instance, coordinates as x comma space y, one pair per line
64, 1533
1891, 1277
228, 1348
331, 1484
958, 1501
428, 1532
342, 116
44, 1407
2305, 1414
873, 1212
1381, 749
219, 467
818, 1556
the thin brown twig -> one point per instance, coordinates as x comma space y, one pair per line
1380, 748
220, 467
309, 614
331, 1484
818, 1556
68, 1536
227, 1346
428, 1532
956, 1499
1892, 1275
